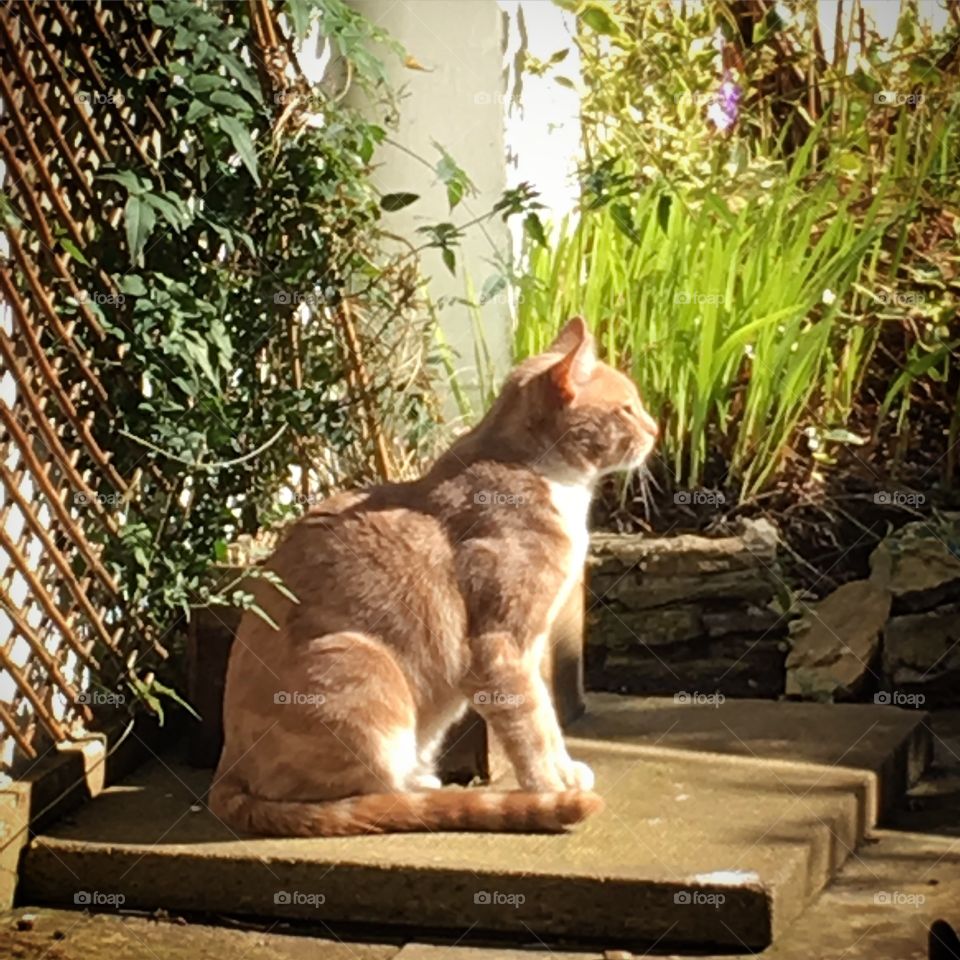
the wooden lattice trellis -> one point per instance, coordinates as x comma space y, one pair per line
60, 618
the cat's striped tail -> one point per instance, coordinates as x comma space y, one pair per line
453, 809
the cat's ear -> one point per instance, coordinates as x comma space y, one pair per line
571, 372
572, 334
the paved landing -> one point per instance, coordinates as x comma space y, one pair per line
722, 824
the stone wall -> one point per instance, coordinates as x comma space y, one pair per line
686, 614
894, 637
920, 566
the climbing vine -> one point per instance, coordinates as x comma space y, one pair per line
256, 325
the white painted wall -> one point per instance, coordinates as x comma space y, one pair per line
543, 135
456, 100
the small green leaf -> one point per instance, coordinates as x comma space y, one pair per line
73, 250
850, 162
298, 12
623, 218
598, 18
205, 82
234, 101
263, 615
241, 74
196, 110
391, 202
128, 179
133, 285
277, 582
492, 286
663, 211
241, 143
839, 435
771, 23
139, 220
158, 15
453, 176
534, 229
170, 693
864, 81
454, 192
166, 208
450, 259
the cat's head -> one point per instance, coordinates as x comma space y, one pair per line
584, 417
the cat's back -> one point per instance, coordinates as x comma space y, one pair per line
351, 558
370, 527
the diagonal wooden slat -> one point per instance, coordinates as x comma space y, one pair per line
61, 612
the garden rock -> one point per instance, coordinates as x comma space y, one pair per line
920, 564
837, 641
921, 655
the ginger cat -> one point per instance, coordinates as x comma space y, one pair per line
417, 599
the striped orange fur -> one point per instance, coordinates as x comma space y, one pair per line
415, 601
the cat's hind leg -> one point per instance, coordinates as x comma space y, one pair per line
343, 722
433, 727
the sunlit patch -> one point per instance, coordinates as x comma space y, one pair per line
727, 878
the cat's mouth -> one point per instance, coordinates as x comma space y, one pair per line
642, 451
635, 460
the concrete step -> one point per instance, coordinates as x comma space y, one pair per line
879, 907
722, 823
45, 933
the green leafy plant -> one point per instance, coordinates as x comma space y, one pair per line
262, 342
753, 257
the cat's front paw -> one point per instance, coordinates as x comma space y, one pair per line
577, 775
422, 781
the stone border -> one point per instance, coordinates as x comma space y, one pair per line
687, 614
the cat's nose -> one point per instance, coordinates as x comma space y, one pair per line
650, 425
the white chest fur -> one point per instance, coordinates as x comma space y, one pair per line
572, 503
